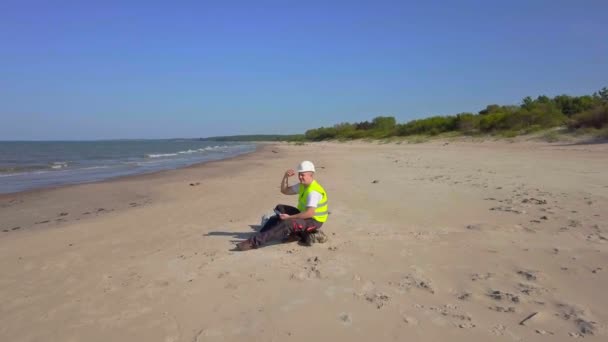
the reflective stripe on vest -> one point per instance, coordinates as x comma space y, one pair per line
321, 211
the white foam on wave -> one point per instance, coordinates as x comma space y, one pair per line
190, 151
59, 165
161, 155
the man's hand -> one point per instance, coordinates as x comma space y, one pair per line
285, 182
284, 216
290, 173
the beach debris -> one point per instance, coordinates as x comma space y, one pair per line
275, 151
45, 221
195, 184
375, 181
523, 321
64, 214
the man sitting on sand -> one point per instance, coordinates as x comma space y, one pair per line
307, 218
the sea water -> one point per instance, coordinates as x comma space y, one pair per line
26, 165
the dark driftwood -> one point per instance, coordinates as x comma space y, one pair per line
527, 318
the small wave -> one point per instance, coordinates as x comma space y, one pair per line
188, 151
59, 165
161, 155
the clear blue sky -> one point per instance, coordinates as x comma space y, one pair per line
99, 69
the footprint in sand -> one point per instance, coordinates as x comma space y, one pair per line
499, 296
408, 319
464, 296
450, 314
346, 318
414, 280
498, 330
528, 274
497, 308
582, 319
482, 276
372, 295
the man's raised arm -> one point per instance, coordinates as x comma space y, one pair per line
285, 189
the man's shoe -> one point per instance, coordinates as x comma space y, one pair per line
244, 246
307, 239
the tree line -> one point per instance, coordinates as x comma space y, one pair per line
256, 137
574, 112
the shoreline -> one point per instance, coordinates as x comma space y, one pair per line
116, 178
118, 203
128, 164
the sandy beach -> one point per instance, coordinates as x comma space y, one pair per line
459, 241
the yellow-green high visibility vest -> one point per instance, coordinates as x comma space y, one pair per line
322, 210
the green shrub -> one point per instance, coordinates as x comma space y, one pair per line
596, 117
532, 115
467, 123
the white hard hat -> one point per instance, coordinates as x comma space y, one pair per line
306, 166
